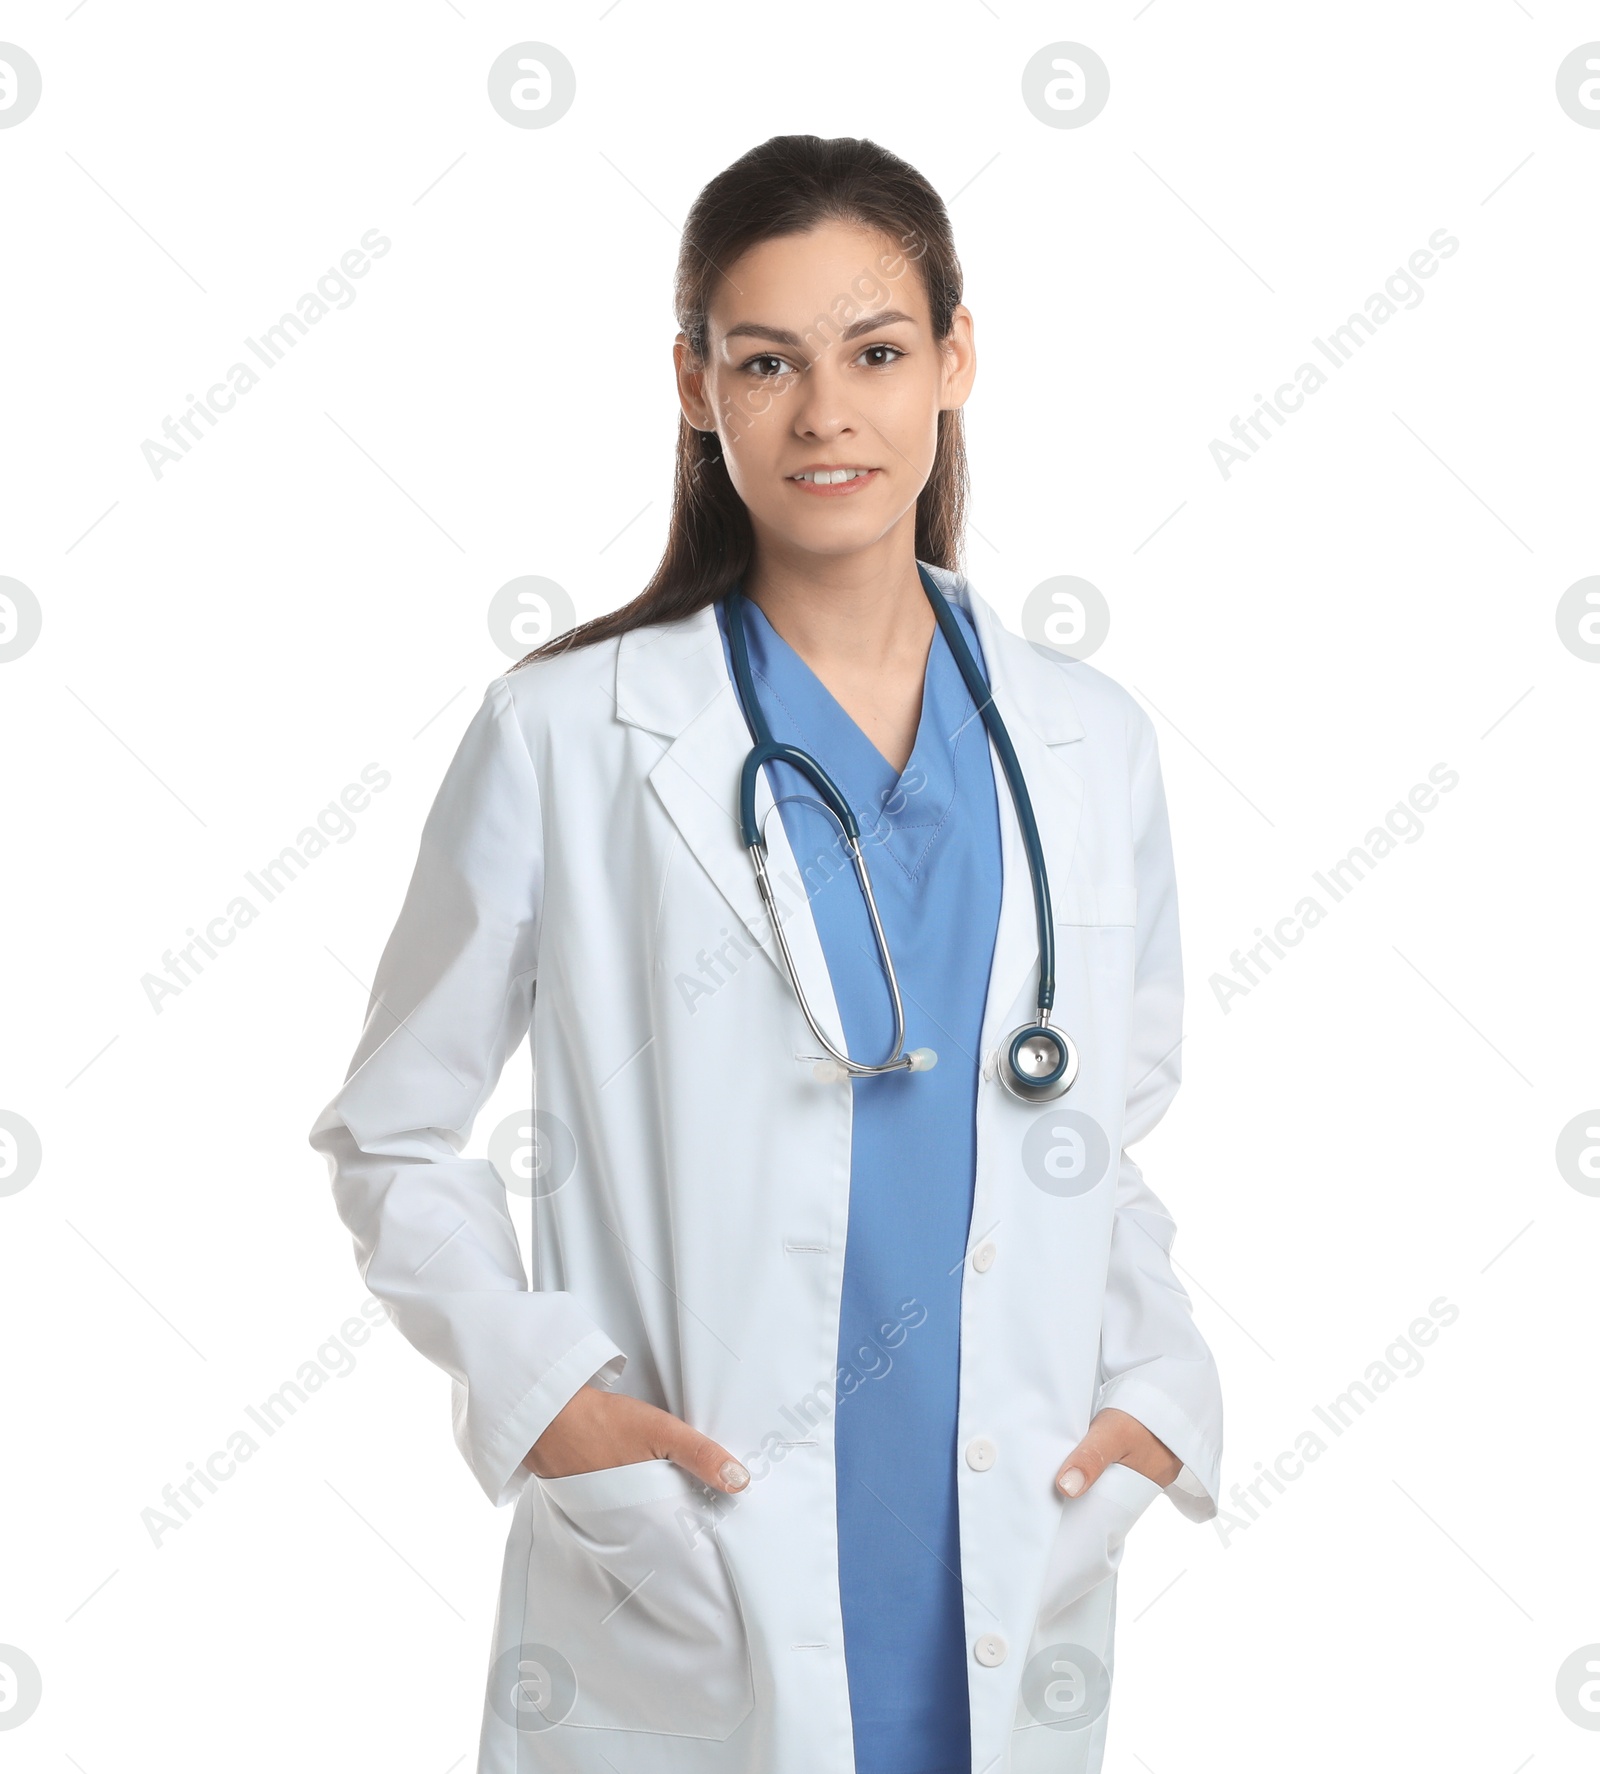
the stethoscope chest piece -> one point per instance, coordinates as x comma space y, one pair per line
1039, 1063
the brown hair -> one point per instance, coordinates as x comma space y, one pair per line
788, 185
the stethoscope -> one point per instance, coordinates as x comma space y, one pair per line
1039, 1062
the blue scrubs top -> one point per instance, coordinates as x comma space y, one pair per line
931, 839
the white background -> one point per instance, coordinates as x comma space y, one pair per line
224, 648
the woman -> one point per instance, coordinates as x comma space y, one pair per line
841, 1379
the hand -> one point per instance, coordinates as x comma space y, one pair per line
1116, 1438
597, 1429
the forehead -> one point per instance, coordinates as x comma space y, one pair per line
837, 269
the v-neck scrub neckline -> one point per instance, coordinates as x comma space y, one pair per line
931, 839
893, 808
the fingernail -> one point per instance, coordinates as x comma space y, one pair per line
733, 1475
1071, 1481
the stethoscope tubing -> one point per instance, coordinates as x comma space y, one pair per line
767, 749
983, 698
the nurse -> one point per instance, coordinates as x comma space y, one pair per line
586, 832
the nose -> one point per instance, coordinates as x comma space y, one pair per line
822, 407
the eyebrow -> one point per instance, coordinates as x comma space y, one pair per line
782, 336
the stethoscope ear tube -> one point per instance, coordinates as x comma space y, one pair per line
838, 1064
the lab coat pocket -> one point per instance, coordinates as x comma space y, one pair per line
627, 1580
1089, 1542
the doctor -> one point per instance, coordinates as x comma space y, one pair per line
853, 1350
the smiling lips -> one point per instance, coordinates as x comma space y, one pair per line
831, 482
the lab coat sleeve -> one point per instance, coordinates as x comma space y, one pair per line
452, 999
1154, 1363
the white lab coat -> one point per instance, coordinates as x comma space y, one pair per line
689, 1225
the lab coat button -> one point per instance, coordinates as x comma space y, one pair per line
981, 1453
983, 1258
990, 1650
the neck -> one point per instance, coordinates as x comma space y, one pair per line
867, 609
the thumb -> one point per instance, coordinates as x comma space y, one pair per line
708, 1460
1086, 1462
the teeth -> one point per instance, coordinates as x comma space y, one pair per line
831, 477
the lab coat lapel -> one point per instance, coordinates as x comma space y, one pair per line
673, 680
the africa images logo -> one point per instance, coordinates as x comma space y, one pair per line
334, 289
1401, 289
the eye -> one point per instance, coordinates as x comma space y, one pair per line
882, 364
767, 357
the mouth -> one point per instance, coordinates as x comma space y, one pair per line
831, 482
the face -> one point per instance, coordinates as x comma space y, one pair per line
821, 357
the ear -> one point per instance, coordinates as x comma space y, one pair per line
691, 378
960, 357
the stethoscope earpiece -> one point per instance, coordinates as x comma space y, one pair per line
1040, 1063
830, 1071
